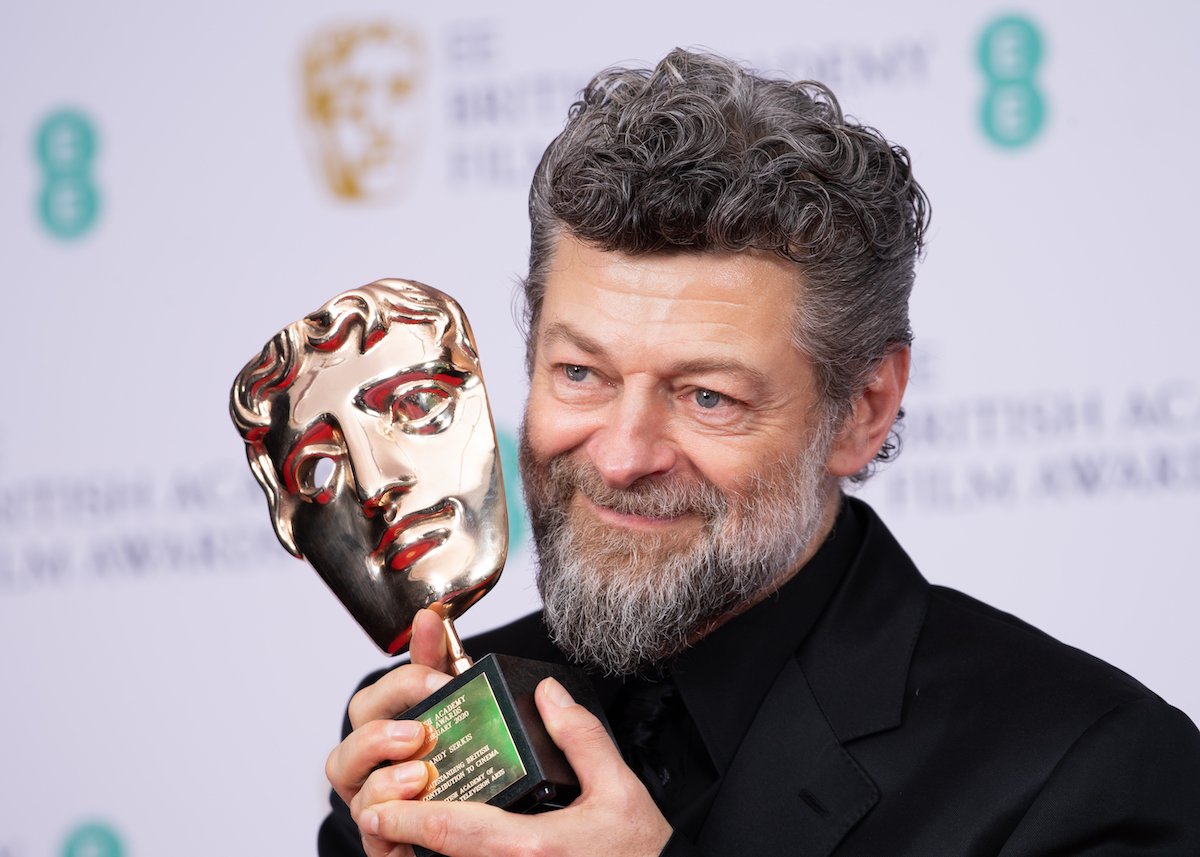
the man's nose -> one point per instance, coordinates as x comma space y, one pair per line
634, 440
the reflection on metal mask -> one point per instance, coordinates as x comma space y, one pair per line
362, 87
367, 425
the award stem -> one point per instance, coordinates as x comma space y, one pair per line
460, 661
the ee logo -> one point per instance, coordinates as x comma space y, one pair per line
92, 840
1010, 51
68, 201
510, 467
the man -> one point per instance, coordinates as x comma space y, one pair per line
718, 339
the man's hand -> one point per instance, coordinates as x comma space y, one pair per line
613, 815
378, 739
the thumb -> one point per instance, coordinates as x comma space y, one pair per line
580, 735
428, 645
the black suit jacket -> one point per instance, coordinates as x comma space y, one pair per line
914, 720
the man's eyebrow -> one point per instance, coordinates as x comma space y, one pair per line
559, 332
722, 366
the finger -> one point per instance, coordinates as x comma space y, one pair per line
581, 736
376, 846
370, 746
405, 781
460, 828
428, 645
395, 693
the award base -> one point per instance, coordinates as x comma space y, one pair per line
491, 744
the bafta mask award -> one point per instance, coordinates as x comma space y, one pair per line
367, 425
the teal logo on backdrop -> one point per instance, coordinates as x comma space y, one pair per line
68, 202
1013, 109
93, 840
512, 489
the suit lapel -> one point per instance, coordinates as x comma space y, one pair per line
792, 788
856, 659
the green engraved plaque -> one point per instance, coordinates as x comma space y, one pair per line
475, 754
491, 744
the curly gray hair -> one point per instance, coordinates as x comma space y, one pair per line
700, 153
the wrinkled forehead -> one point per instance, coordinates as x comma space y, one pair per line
328, 382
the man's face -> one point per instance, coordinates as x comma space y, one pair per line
674, 446
393, 457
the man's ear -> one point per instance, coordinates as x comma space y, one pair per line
870, 420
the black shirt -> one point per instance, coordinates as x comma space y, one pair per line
723, 678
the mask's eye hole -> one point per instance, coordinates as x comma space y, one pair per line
418, 404
311, 468
418, 401
424, 410
318, 478
322, 473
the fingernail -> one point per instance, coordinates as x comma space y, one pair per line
368, 822
435, 681
557, 694
410, 772
406, 730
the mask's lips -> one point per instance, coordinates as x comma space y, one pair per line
395, 553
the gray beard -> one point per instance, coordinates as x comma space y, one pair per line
628, 601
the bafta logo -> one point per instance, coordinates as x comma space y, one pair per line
362, 95
368, 427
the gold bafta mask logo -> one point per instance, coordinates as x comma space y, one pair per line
363, 102
367, 425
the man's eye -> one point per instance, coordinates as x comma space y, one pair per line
707, 399
576, 373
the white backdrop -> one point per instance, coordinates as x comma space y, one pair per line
172, 680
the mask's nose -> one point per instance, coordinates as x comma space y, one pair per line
388, 498
382, 471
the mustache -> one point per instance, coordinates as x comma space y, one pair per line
649, 497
